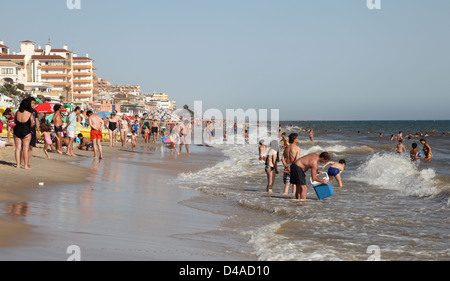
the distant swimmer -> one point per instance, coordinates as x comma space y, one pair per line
426, 150
400, 147
335, 170
415, 155
303, 164
290, 154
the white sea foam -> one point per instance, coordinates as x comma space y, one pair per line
391, 171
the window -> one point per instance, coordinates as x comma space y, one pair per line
7, 71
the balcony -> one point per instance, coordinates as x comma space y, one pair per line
82, 88
55, 67
83, 74
82, 66
55, 75
59, 83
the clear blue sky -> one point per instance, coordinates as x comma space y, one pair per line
312, 59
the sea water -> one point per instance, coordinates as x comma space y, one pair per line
386, 203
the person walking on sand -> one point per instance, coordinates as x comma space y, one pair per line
290, 154
96, 123
271, 164
123, 130
58, 123
46, 131
22, 132
303, 164
133, 139
426, 150
71, 129
185, 135
112, 129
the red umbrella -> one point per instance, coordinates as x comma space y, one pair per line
46, 107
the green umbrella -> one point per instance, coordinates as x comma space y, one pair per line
38, 100
68, 105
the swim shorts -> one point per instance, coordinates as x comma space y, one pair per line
286, 177
96, 135
59, 129
333, 171
297, 175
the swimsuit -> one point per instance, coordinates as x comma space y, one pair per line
333, 171
287, 176
112, 126
298, 177
96, 134
91, 145
268, 167
22, 130
48, 139
59, 129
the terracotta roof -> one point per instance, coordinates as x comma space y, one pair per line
3, 46
39, 57
82, 58
60, 51
26, 41
12, 57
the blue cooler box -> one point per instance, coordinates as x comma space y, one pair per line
324, 190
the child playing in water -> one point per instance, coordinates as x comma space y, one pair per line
133, 139
46, 130
335, 170
415, 155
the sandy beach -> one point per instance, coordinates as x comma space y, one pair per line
126, 207
17, 183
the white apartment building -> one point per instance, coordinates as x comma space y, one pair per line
59, 71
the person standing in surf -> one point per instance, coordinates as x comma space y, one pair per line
303, 164
271, 164
426, 150
290, 154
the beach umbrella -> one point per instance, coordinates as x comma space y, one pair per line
49, 117
68, 105
46, 107
104, 114
38, 101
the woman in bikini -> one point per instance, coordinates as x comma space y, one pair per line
123, 130
271, 164
22, 132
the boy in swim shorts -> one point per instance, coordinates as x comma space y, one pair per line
335, 170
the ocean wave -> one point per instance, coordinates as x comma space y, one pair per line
395, 172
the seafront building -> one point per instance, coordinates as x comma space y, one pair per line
55, 72
60, 75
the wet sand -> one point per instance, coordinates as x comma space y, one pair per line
129, 206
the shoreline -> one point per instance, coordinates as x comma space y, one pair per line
20, 238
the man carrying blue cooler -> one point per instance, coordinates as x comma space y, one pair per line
303, 164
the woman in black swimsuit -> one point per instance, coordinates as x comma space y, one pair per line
22, 132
